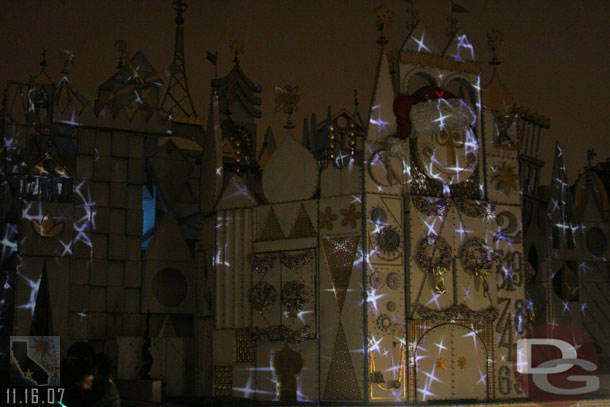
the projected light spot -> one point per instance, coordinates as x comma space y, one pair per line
169, 287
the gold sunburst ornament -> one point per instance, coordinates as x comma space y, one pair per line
441, 363
48, 227
384, 19
505, 178
462, 362
286, 101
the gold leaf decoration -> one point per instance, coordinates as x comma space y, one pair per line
48, 227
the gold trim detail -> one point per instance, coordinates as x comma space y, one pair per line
245, 347
440, 62
48, 227
417, 328
223, 380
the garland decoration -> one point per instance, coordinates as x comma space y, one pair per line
294, 297
295, 261
429, 208
476, 210
457, 312
431, 244
477, 259
441, 206
283, 333
262, 296
262, 263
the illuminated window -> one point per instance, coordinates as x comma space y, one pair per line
148, 214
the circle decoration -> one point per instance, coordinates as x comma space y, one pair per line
393, 281
596, 241
388, 240
391, 306
294, 297
425, 258
262, 296
169, 287
383, 322
376, 281
379, 216
384, 169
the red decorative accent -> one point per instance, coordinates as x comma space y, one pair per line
403, 103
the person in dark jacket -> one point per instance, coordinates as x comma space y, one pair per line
77, 378
105, 393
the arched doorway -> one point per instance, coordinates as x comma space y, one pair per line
451, 364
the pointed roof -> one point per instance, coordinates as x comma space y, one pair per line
496, 96
239, 86
125, 75
269, 146
460, 48
561, 206
381, 121
235, 195
65, 96
42, 78
305, 142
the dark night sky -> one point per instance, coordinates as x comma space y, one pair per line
555, 57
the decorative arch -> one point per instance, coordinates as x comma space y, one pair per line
420, 73
465, 82
482, 329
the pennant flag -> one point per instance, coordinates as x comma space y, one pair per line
213, 58
456, 8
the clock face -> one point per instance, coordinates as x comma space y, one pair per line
448, 156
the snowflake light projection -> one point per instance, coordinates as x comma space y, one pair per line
34, 287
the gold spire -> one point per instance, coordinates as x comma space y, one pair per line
384, 19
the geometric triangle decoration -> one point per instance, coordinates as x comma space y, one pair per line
340, 254
341, 383
302, 227
272, 229
42, 320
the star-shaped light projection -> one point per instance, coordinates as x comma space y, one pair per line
421, 45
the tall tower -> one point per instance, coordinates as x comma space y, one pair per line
177, 100
444, 260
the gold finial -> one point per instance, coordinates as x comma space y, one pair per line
287, 100
67, 57
121, 47
44, 59
180, 6
237, 48
413, 15
494, 38
384, 18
